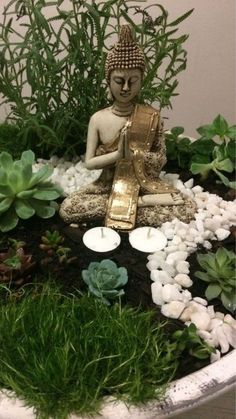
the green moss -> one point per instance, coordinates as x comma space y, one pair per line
63, 354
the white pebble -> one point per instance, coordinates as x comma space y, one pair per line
219, 315
189, 183
182, 267
170, 293
213, 209
201, 301
229, 319
156, 289
186, 296
223, 341
176, 240
197, 189
215, 323
173, 309
201, 320
230, 334
222, 234
182, 247
162, 276
171, 249
207, 245
168, 268
152, 264
211, 311
183, 280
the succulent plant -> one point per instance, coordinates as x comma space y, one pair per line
24, 193
51, 241
15, 266
219, 272
105, 280
188, 339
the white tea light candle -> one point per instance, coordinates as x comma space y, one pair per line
147, 239
101, 239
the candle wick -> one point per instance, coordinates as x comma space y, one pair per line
149, 232
102, 233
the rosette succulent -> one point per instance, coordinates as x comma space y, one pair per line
15, 266
219, 272
24, 193
105, 280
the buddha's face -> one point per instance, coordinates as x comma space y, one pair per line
125, 84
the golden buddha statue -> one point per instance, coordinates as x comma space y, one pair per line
126, 141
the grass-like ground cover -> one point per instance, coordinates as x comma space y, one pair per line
63, 354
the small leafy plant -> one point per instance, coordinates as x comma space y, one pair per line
24, 193
219, 163
51, 241
188, 339
223, 155
214, 151
105, 280
15, 266
219, 272
52, 244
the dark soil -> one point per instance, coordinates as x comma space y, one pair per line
138, 289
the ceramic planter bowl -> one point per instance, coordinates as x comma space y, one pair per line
183, 395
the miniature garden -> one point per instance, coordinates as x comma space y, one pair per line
78, 325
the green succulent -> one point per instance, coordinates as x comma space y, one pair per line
24, 193
219, 270
51, 241
105, 280
188, 339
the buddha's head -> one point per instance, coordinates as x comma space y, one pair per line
125, 67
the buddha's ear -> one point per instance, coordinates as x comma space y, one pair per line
110, 96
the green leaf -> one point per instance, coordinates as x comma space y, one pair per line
207, 131
108, 264
5, 204
231, 133
221, 256
42, 209
26, 194
203, 146
28, 158
42, 174
231, 150
23, 209
176, 131
213, 291
232, 184
16, 181
225, 165
3, 177
223, 178
181, 18
46, 195
220, 125
8, 221
6, 161
229, 301
6, 190
202, 275
41, 21
200, 168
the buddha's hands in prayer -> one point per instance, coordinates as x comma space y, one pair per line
124, 151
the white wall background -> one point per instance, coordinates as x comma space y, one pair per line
208, 86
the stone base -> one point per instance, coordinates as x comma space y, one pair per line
84, 207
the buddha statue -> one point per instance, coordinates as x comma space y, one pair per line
126, 141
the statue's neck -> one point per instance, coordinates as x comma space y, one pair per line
122, 109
